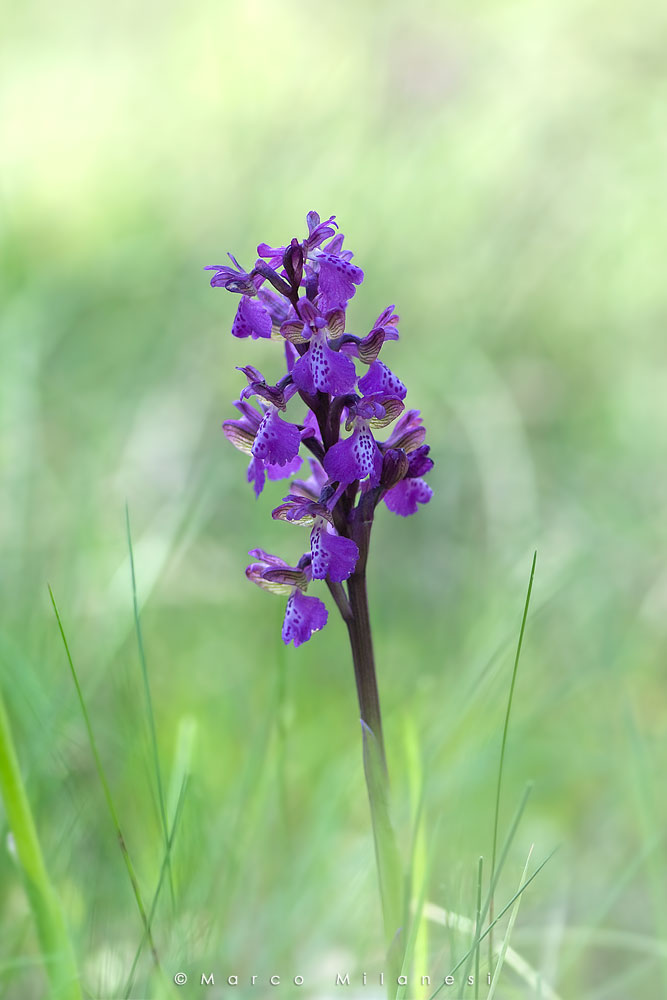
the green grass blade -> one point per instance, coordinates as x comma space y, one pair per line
165, 867
503, 858
465, 924
56, 947
149, 703
478, 922
105, 788
503, 746
508, 933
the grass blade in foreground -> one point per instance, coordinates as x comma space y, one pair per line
503, 745
465, 926
508, 933
55, 944
149, 707
107, 791
166, 865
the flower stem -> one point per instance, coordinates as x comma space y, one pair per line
55, 944
375, 768
359, 629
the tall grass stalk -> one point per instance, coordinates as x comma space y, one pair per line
478, 921
166, 866
503, 745
509, 840
55, 944
508, 932
149, 708
463, 924
107, 791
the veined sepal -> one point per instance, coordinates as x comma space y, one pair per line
279, 580
240, 438
300, 510
393, 408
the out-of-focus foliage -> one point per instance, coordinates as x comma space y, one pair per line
498, 169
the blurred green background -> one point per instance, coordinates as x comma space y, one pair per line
499, 171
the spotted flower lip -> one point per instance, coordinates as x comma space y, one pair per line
338, 279
299, 293
252, 320
354, 458
332, 555
323, 370
276, 441
380, 379
303, 617
404, 498
242, 434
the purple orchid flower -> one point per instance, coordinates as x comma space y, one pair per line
380, 379
337, 281
243, 434
234, 279
303, 615
332, 555
347, 394
312, 281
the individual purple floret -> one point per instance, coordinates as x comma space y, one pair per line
303, 615
243, 435
299, 292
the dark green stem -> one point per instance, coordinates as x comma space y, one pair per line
387, 855
359, 629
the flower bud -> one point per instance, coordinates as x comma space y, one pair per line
293, 263
395, 466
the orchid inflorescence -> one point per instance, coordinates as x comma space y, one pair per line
299, 294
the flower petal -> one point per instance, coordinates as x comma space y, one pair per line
337, 280
280, 580
302, 375
419, 463
403, 498
409, 432
256, 475
277, 442
267, 558
303, 616
284, 471
392, 408
381, 379
300, 510
332, 554
353, 458
251, 320
238, 435
324, 369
